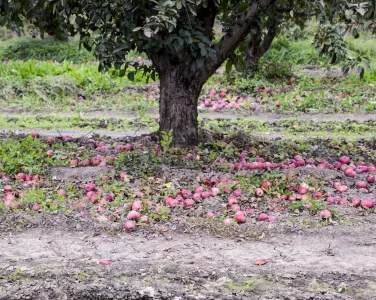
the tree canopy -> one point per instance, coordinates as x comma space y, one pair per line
181, 32
183, 29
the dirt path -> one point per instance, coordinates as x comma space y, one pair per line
75, 133
272, 117
265, 117
79, 133
49, 264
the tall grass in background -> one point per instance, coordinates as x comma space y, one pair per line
46, 49
83, 75
300, 52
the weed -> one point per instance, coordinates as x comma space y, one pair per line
17, 275
27, 155
33, 196
166, 140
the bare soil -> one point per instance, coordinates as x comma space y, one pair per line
265, 117
51, 263
80, 174
225, 115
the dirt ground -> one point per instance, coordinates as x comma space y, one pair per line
60, 259
225, 115
265, 117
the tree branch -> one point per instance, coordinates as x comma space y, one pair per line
269, 37
207, 16
232, 39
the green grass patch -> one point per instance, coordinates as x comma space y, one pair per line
27, 155
46, 49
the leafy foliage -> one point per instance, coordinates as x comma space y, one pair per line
182, 30
179, 35
27, 155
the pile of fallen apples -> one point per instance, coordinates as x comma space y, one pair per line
220, 99
136, 211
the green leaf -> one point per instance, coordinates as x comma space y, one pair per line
178, 4
192, 9
147, 32
203, 51
122, 72
180, 41
200, 62
348, 13
229, 64
361, 11
177, 45
120, 48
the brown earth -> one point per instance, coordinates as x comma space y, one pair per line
63, 262
225, 115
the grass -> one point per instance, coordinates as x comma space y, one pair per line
34, 86
46, 49
84, 75
38, 85
295, 53
28, 154
301, 52
27, 48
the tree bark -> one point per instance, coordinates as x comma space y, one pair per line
231, 40
257, 46
252, 54
179, 92
180, 87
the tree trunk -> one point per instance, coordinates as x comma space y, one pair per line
179, 92
259, 45
253, 54
252, 61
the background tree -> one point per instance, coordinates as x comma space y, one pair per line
178, 38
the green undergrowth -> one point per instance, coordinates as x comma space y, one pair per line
288, 54
27, 155
27, 48
59, 94
144, 182
309, 94
84, 75
300, 52
46, 49
54, 86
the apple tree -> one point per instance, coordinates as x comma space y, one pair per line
178, 38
